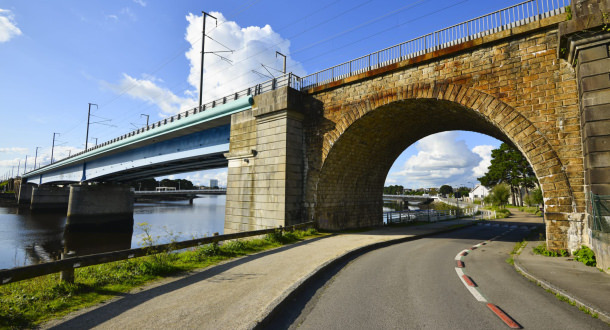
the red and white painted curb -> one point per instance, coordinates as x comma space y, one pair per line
472, 287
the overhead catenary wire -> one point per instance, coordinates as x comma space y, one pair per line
326, 40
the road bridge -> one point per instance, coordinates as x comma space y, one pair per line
319, 147
176, 195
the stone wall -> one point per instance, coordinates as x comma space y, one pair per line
266, 169
510, 85
585, 44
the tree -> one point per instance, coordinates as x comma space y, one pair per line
445, 190
499, 195
534, 198
462, 191
393, 190
509, 166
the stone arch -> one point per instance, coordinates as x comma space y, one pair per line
370, 129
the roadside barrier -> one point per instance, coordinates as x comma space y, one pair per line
66, 266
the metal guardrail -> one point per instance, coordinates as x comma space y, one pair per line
599, 209
516, 15
178, 192
289, 79
510, 17
407, 216
31, 271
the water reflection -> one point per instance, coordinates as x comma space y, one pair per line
30, 238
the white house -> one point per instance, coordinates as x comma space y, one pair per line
479, 192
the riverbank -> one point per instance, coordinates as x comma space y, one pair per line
31, 302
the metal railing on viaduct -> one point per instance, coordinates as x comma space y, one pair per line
503, 19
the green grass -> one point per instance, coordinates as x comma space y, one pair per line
542, 250
27, 304
516, 251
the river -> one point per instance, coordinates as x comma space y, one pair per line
28, 238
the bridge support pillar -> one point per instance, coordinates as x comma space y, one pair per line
24, 196
585, 44
266, 171
109, 206
49, 198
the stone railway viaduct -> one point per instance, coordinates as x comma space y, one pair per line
542, 87
322, 151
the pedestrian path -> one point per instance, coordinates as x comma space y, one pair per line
237, 294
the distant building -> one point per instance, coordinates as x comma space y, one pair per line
479, 192
213, 183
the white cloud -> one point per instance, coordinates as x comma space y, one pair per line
203, 178
220, 78
484, 152
14, 150
441, 159
147, 90
252, 47
8, 26
140, 2
113, 17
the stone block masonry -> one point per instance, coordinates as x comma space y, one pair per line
585, 44
266, 167
325, 155
509, 85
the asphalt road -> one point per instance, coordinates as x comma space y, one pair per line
414, 285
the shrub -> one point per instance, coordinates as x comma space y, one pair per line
586, 256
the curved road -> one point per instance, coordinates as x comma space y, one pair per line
415, 285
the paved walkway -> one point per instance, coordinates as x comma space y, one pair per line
234, 295
586, 286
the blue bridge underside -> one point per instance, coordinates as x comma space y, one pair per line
196, 151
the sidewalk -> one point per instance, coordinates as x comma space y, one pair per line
586, 286
237, 294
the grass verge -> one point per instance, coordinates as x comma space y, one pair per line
28, 303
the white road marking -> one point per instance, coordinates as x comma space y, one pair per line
475, 293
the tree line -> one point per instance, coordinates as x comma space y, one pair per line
509, 175
152, 184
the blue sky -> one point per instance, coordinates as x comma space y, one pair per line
136, 57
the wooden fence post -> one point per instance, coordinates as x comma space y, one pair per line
67, 275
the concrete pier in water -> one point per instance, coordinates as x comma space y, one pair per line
105, 206
49, 198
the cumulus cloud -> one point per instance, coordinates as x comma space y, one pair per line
8, 26
252, 47
441, 159
484, 152
140, 2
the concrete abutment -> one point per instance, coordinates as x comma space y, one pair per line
104, 206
